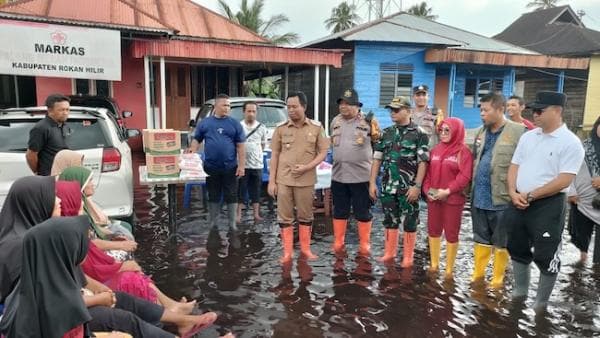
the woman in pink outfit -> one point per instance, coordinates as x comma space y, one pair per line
449, 173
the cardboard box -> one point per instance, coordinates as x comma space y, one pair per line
161, 141
162, 166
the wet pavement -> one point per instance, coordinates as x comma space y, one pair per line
238, 275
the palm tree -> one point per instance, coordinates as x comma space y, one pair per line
249, 16
542, 4
422, 10
342, 17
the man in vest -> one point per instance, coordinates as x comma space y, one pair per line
351, 138
493, 148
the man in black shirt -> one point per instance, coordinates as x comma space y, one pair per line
48, 136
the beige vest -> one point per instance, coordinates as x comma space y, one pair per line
501, 156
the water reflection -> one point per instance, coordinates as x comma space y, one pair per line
238, 275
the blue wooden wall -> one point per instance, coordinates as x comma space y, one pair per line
471, 116
369, 56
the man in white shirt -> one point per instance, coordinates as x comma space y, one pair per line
544, 164
251, 182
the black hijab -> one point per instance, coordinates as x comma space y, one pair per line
49, 291
30, 201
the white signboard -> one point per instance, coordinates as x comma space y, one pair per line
38, 49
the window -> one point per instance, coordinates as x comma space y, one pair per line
17, 91
395, 80
92, 87
476, 88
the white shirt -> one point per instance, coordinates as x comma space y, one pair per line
254, 149
542, 157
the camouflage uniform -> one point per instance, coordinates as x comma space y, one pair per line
401, 149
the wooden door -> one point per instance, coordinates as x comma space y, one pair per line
178, 92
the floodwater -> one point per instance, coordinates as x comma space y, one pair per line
238, 276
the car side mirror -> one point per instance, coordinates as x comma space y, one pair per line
133, 133
126, 114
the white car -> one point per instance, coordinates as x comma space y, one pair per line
94, 132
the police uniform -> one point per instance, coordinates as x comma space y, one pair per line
352, 160
297, 145
425, 119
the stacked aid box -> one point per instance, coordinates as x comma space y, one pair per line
162, 148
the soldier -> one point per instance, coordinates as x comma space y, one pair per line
352, 158
298, 146
422, 116
404, 152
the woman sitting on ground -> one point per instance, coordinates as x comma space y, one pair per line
64, 159
52, 252
30, 201
118, 247
124, 276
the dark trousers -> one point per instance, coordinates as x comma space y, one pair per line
540, 227
132, 315
581, 229
351, 195
222, 183
250, 185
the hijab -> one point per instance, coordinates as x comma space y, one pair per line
69, 193
83, 176
592, 150
64, 159
97, 264
48, 299
457, 139
30, 201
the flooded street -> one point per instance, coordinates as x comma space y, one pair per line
238, 275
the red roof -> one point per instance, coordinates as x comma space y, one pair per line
183, 16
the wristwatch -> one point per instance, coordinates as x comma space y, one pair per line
417, 185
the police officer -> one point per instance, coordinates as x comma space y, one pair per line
404, 152
297, 147
422, 116
352, 158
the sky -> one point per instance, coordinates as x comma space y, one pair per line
486, 17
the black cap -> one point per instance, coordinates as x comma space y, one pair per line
351, 97
420, 89
545, 99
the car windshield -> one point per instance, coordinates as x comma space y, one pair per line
269, 115
83, 134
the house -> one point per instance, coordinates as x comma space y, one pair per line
160, 59
389, 56
559, 31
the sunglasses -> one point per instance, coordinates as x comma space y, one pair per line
538, 111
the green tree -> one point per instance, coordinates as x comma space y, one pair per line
422, 10
250, 16
342, 17
542, 4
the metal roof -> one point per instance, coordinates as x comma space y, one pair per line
553, 31
406, 28
179, 16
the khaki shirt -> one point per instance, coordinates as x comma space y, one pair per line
352, 151
298, 146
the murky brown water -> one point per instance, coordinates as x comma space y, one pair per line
238, 276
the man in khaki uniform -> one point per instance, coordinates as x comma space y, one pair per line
297, 147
